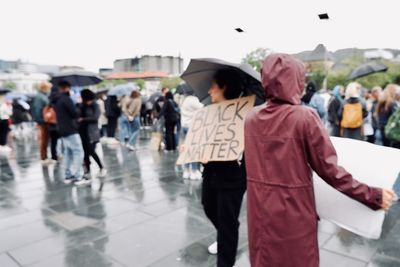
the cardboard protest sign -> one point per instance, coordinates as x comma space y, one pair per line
217, 132
374, 165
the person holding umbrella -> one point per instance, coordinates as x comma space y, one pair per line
67, 126
88, 130
224, 183
285, 142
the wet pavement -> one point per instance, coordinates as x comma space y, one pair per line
142, 214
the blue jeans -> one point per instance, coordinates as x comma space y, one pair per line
194, 166
73, 156
134, 129
123, 128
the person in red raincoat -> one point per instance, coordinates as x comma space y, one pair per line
284, 142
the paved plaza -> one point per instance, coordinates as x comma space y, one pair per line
142, 214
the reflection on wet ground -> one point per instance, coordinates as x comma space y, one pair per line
142, 214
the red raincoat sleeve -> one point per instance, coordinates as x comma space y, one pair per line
323, 160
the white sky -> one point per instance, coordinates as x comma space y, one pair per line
93, 34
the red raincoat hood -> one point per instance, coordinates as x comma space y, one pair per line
283, 78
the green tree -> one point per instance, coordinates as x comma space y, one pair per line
9, 85
171, 82
255, 57
140, 83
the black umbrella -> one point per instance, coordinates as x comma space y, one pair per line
367, 69
4, 91
184, 89
77, 78
153, 98
200, 73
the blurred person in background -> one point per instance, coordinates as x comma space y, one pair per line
385, 108
353, 113
190, 105
334, 106
67, 126
39, 102
5, 116
312, 99
103, 118
89, 132
171, 114
131, 110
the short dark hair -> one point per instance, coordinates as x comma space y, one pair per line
164, 89
64, 85
230, 80
169, 95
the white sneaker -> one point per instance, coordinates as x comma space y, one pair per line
44, 162
52, 161
131, 148
196, 175
213, 248
83, 182
186, 175
102, 173
5, 149
112, 141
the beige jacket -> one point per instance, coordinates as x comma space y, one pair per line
131, 107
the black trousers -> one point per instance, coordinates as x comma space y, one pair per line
169, 135
222, 207
111, 126
53, 143
90, 151
3, 132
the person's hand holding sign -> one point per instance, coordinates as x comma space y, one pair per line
387, 198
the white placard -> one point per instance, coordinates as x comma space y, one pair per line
371, 164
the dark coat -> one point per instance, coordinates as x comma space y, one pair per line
227, 174
88, 127
67, 115
384, 115
170, 111
284, 143
111, 107
39, 101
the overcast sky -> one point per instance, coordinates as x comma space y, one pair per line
93, 34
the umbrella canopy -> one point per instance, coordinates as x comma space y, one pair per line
200, 73
77, 78
153, 98
184, 89
122, 89
367, 69
4, 91
16, 95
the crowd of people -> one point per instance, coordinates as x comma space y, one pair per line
281, 202
356, 112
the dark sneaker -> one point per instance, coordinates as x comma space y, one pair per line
69, 180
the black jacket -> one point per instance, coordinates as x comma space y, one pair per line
225, 174
334, 109
88, 127
67, 115
170, 111
111, 107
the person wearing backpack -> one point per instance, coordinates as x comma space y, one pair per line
353, 113
39, 102
334, 106
171, 114
385, 108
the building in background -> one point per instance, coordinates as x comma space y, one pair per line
173, 66
152, 79
22, 82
